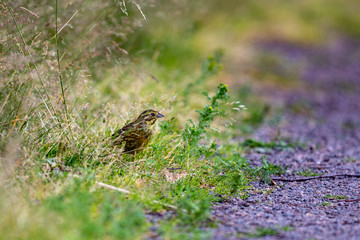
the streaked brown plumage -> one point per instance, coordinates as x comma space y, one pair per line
135, 135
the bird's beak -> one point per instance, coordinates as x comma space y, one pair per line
160, 115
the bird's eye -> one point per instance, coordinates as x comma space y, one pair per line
153, 114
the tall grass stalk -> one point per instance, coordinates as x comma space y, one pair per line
36, 69
82, 34
58, 62
68, 21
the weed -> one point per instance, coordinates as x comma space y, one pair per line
337, 197
100, 214
267, 169
326, 204
231, 175
287, 228
263, 231
308, 173
193, 204
280, 144
170, 230
268, 231
194, 133
350, 159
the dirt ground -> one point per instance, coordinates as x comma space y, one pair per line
324, 115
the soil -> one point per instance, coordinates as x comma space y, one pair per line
322, 113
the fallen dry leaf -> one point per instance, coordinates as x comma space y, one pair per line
174, 176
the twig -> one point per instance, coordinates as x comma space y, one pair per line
101, 184
311, 178
139, 8
273, 182
32, 13
166, 205
173, 169
351, 200
76, 12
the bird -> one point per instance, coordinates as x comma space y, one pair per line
133, 137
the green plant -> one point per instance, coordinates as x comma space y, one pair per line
337, 197
281, 144
308, 173
267, 169
287, 228
350, 159
96, 214
194, 133
263, 231
326, 204
230, 174
193, 204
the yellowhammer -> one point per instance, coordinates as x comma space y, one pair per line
136, 134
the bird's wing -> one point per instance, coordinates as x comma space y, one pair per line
122, 130
118, 136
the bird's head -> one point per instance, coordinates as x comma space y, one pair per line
149, 116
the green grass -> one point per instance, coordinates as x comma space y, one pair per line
268, 231
350, 159
336, 197
327, 204
64, 93
308, 173
262, 232
279, 144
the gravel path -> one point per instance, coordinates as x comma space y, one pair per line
324, 114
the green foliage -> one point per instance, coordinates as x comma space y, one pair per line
96, 214
230, 174
350, 159
267, 169
308, 173
211, 66
193, 133
337, 197
263, 231
326, 204
251, 143
260, 232
77, 209
193, 204
172, 231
